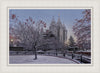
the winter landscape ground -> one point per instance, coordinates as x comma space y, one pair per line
28, 59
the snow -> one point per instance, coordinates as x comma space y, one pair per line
28, 59
88, 57
84, 51
40, 51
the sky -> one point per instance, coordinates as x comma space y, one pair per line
67, 16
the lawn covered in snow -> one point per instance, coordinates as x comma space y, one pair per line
28, 59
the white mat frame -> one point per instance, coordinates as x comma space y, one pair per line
91, 68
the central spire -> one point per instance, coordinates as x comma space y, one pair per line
53, 19
58, 17
59, 21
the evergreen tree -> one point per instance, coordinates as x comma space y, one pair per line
71, 42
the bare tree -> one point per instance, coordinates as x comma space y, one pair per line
28, 32
82, 30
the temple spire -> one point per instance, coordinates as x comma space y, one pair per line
63, 25
53, 21
59, 21
53, 18
59, 18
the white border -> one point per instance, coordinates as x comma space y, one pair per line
54, 64
95, 68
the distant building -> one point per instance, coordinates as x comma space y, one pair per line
58, 29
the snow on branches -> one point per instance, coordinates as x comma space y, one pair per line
82, 30
27, 31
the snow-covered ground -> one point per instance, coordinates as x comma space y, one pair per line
28, 59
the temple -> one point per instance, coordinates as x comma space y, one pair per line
58, 29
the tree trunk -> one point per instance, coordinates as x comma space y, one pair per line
63, 54
56, 52
35, 54
35, 51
